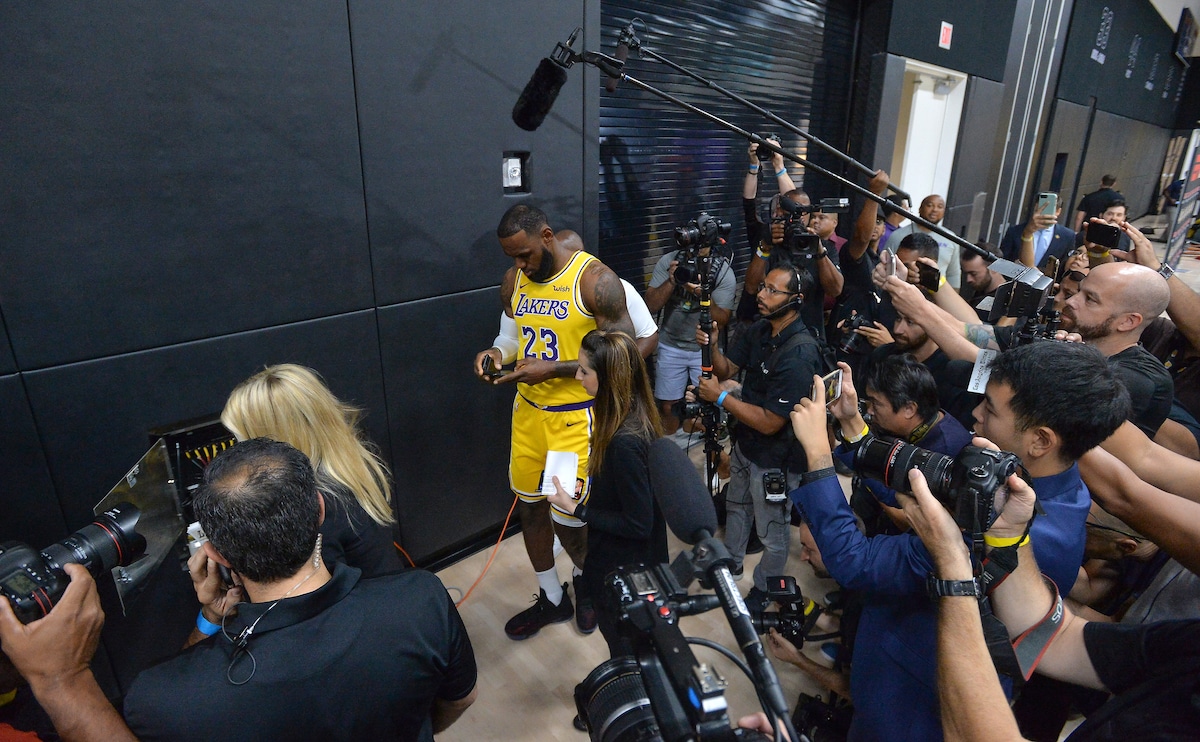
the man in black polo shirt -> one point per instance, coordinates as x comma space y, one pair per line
780, 358
1094, 203
1112, 307
292, 652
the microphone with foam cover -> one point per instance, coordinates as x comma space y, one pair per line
610, 84
685, 502
539, 94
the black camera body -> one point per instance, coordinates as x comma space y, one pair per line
33, 581
795, 617
970, 485
799, 245
765, 154
852, 342
665, 693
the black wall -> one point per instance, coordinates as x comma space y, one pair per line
196, 190
979, 41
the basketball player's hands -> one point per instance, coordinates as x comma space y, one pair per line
531, 371
497, 361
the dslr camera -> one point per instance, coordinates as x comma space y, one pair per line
852, 342
795, 617
34, 581
703, 231
764, 154
799, 245
970, 485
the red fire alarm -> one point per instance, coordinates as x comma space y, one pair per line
947, 32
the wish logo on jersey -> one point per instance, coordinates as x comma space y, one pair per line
557, 308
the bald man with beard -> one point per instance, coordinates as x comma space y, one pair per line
1112, 307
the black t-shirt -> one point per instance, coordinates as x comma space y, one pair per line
775, 384
355, 659
1094, 203
1169, 345
1149, 384
1154, 670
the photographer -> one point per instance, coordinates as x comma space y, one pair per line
776, 241
902, 400
309, 654
857, 258
1152, 668
893, 676
779, 356
678, 361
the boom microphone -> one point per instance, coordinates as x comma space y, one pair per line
685, 502
622, 54
539, 94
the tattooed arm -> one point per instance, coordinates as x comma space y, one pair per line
604, 297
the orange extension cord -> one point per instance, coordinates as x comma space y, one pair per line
491, 558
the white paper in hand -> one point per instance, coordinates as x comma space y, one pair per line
565, 466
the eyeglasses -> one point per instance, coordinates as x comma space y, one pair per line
1075, 276
772, 291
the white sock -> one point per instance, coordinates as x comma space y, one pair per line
549, 583
575, 571
558, 547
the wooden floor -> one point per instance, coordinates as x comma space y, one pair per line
526, 688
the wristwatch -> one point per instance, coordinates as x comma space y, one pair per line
1166, 271
951, 588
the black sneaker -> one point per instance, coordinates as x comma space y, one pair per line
542, 613
756, 601
585, 611
754, 545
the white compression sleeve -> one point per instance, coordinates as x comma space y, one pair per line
508, 341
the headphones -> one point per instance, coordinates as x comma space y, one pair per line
797, 300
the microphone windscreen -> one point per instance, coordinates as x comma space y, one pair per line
539, 94
679, 490
610, 84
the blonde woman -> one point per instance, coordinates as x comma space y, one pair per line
624, 525
291, 403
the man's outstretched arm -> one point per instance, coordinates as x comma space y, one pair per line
54, 654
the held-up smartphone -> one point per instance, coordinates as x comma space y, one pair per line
1050, 269
1105, 235
1047, 203
775, 485
889, 262
833, 385
490, 370
929, 277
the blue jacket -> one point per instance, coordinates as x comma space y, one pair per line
893, 677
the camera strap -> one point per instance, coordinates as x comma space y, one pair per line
1030, 646
995, 634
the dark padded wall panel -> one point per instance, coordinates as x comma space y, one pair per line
661, 165
973, 156
979, 40
28, 510
451, 431
1068, 130
435, 100
175, 175
94, 415
1130, 149
7, 363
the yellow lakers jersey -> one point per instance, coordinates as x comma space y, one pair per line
552, 321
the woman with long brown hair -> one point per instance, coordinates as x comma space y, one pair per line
624, 525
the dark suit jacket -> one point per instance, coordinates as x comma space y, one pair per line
1061, 244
